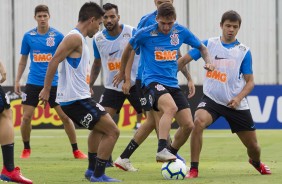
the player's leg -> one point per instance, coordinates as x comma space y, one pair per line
26, 128
140, 135
249, 139
70, 131
109, 129
9, 171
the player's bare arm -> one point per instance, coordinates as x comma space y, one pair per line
191, 85
184, 60
95, 70
206, 56
21, 68
2, 72
234, 103
70, 46
128, 52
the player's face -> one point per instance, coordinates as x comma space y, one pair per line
94, 26
229, 31
110, 19
42, 19
165, 24
159, 2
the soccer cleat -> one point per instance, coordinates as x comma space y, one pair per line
180, 158
14, 176
262, 169
124, 164
193, 173
79, 154
88, 173
26, 153
103, 178
165, 156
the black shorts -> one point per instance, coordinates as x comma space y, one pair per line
145, 97
4, 100
31, 94
157, 90
85, 113
239, 120
115, 99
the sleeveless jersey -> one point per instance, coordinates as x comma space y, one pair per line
74, 79
110, 52
41, 49
226, 81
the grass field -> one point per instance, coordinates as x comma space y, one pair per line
223, 159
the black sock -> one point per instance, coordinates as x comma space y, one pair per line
92, 161
194, 165
131, 147
110, 159
256, 164
162, 144
74, 147
100, 167
26, 145
8, 156
172, 150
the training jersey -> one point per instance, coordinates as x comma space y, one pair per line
74, 75
145, 21
110, 50
41, 49
159, 52
231, 61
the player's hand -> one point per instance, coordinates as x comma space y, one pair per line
234, 103
118, 78
126, 87
17, 88
44, 96
3, 78
191, 88
209, 67
91, 91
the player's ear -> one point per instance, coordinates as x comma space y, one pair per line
118, 17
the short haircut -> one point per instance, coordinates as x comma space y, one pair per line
109, 6
231, 15
166, 10
41, 8
88, 10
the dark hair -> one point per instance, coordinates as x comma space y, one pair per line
88, 10
41, 8
166, 10
109, 6
231, 15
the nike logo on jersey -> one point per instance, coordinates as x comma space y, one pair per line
218, 58
113, 52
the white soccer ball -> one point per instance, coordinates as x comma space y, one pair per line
174, 170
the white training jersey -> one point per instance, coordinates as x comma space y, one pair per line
110, 52
226, 81
74, 79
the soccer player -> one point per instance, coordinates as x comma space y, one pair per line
40, 43
153, 117
225, 90
108, 47
74, 95
160, 43
9, 171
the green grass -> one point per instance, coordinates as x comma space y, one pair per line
223, 159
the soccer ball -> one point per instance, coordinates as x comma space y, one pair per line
174, 170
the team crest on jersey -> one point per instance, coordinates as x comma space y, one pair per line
50, 41
51, 33
32, 33
174, 39
154, 33
160, 87
202, 104
126, 35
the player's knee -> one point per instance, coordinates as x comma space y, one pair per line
199, 123
171, 110
26, 119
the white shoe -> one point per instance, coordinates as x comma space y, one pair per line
165, 156
125, 164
